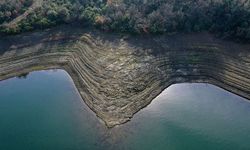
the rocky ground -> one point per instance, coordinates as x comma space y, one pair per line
118, 74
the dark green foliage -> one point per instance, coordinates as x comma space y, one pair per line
227, 18
10, 9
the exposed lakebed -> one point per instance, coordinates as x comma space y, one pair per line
45, 111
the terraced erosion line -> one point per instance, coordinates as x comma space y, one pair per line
119, 75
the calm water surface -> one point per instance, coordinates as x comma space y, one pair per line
45, 112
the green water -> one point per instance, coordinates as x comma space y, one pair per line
45, 112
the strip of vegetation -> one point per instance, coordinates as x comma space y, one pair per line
10, 9
228, 18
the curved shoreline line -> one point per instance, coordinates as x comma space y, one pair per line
117, 79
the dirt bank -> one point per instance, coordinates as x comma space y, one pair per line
117, 75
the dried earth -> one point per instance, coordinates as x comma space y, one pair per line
117, 74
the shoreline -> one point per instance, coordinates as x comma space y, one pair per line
117, 77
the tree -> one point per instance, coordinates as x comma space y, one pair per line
64, 14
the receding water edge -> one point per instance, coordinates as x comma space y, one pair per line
45, 111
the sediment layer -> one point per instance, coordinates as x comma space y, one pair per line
117, 75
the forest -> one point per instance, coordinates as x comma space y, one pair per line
10, 9
226, 18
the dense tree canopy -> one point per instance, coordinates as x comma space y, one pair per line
228, 18
10, 9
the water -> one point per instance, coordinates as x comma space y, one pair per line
45, 112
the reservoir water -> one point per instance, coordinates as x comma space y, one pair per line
45, 112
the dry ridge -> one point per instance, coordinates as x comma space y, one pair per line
117, 75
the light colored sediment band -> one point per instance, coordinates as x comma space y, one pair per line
117, 76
